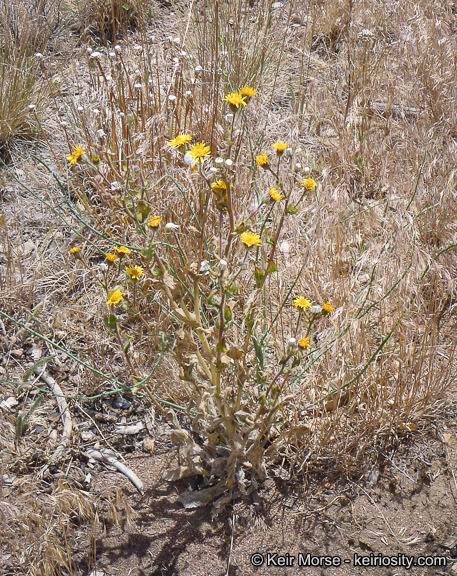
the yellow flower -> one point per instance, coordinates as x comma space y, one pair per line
280, 147
275, 195
327, 307
304, 342
78, 151
250, 239
96, 159
75, 249
155, 221
262, 160
135, 272
309, 184
235, 99
114, 297
180, 140
199, 151
248, 92
121, 250
111, 257
302, 303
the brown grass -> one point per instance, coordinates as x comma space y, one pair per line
365, 96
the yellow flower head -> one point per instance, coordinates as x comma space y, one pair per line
155, 221
121, 250
304, 342
280, 147
135, 272
95, 159
302, 303
199, 151
250, 239
262, 160
78, 151
248, 92
275, 195
114, 297
309, 184
219, 186
180, 140
75, 250
327, 307
235, 99
111, 258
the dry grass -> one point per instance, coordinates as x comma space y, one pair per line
364, 95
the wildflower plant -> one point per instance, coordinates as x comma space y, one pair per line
190, 207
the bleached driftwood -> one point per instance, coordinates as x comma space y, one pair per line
107, 457
64, 414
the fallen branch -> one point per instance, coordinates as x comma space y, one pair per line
107, 457
64, 414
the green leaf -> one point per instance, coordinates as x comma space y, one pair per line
127, 344
126, 6
271, 268
110, 322
227, 314
258, 275
258, 351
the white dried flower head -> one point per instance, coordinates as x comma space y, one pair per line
288, 152
222, 264
188, 93
138, 48
224, 53
100, 133
117, 48
172, 97
138, 86
176, 60
121, 115
96, 112
177, 40
366, 35
115, 186
298, 150
183, 53
171, 227
192, 80
316, 309
307, 169
228, 163
297, 166
213, 169
80, 109
170, 38
284, 247
112, 54
32, 106
138, 72
219, 160
39, 56
152, 37
189, 159
228, 118
95, 55
204, 266
64, 124
198, 68
103, 267
89, 50
292, 341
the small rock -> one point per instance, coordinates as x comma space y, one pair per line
9, 403
120, 403
87, 435
18, 353
148, 444
27, 248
